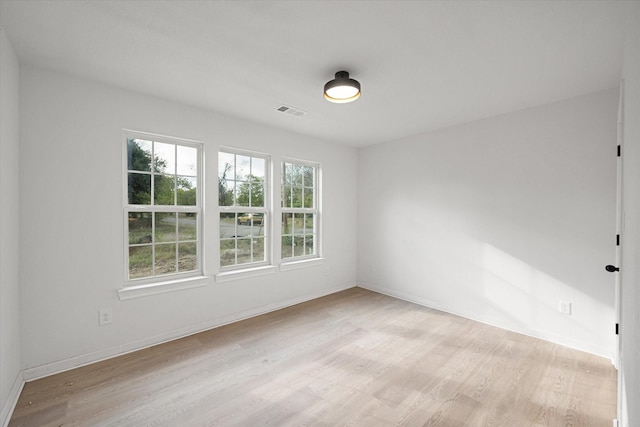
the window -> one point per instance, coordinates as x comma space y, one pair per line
162, 208
243, 202
299, 210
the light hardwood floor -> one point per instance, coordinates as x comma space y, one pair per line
354, 358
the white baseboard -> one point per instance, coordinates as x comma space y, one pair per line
12, 399
473, 316
86, 359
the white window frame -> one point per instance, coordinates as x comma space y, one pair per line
292, 262
173, 281
236, 271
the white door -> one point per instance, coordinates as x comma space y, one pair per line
618, 255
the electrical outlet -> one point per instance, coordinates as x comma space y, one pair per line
565, 307
106, 316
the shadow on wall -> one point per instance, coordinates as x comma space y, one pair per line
513, 285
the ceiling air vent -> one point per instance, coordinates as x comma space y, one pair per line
291, 111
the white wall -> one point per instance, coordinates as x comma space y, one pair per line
630, 265
9, 220
500, 219
72, 222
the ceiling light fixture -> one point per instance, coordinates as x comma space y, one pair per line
342, 89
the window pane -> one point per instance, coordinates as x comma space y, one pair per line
309, 246
226, 169
308, 224
244, 219
186, 191
227, 225
226, 191
257, 192
165, 158
308, 198
138, 155
165, 259
187, 256
164, 186
287, 173
187, 161
286, 196
242, 193
258, 249
140, 230
227, 252
298, 245
258, 167
298, 223
165, 227
287, 246
139, 189
140, 262
297, 171
244, 251
287, 223
244, 225
187, 226
296, 197
257, 222
243, 167
307, 176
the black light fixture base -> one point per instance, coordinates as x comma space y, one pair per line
342, 89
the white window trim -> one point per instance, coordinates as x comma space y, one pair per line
301, 263
133, 288
239, 271
231, 275
131, 292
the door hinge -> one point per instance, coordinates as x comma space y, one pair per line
618, 150
617, 328
617, 240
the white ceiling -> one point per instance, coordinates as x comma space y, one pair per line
423, 65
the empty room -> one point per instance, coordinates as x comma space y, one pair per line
319, 213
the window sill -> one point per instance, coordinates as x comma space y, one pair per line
130, 292
229, 276
293, 265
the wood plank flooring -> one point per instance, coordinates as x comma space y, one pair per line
355, 358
